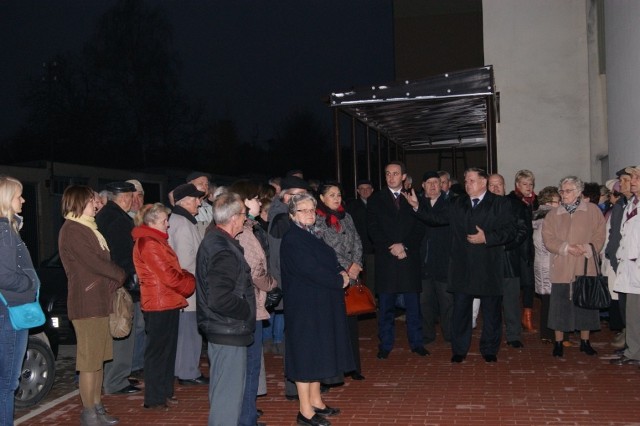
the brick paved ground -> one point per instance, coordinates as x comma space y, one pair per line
525, 387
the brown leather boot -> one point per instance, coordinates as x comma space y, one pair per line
527, 320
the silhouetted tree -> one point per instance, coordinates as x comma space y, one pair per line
118, 102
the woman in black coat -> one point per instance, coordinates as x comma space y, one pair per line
318, 345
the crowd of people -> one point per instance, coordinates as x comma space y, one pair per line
205, 268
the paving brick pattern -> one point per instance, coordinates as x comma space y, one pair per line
525, 387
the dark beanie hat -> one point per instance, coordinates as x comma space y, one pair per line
294, 182
429, 175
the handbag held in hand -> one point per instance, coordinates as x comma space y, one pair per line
358, 299
591, 292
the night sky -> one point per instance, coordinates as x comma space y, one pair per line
251, 61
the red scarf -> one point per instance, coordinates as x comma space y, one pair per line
332, 217
527, 200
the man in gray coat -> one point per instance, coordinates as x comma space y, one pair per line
184, 239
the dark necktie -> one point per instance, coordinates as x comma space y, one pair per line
475, 202
634, 208
396, 199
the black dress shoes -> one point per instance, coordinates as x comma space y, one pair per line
327, 411
127, 390
259, 412
316, 420
515, 344
356, 376
420, 351
191, 382
490, 358
457, 358
134, 382
382, 354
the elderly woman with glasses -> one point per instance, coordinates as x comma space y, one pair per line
318, 345
568, 232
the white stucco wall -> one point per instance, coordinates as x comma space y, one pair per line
539, 52
622, 29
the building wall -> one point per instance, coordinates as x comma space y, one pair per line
622, 30
540, 53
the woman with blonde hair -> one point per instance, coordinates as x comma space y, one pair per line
164, 287
18, 285
92, 280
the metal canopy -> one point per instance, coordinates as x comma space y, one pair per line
443, 111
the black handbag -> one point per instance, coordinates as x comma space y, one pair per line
592, 292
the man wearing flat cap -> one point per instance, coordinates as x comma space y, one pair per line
615, 225
116, 225
138, 327
628, 272
436, 302
184, 239
201, 180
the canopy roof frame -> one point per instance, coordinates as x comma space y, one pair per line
450, 110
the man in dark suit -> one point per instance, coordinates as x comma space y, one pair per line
515, 254
357, 208
481, 224
396, 234
115, 225
435, 301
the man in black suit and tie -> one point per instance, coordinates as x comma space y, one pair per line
481, 224
396, 234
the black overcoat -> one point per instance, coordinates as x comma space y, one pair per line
389, 225
475, 269
318, 345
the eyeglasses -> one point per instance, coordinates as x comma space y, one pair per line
566, 191
306, 211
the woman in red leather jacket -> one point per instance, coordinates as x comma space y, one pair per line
164, 287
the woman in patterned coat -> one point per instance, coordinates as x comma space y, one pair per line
336, 228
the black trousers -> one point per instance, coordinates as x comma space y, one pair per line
161, 330
544, 330
491, 307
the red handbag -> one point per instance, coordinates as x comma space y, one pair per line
358, 299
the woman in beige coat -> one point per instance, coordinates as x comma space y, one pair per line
567, 232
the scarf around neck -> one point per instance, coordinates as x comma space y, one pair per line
331, 217
90, 222
571, 208
527, 200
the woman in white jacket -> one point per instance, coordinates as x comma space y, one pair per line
548, 199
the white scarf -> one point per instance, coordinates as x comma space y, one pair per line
90, 222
